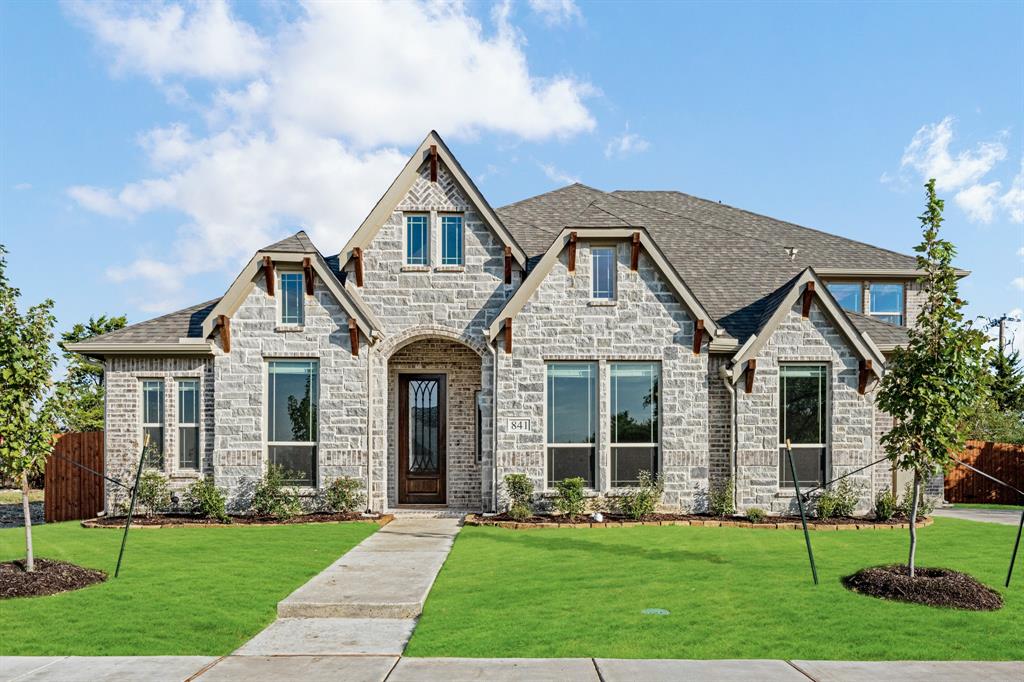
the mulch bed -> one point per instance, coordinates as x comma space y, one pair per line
173, 520
49, 577
930, 586
785, 522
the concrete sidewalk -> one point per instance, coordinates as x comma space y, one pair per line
1009, 517
397, 669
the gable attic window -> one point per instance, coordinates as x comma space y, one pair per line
291, 298
887, 302
451, 240
848, 295
603, 273
417, 240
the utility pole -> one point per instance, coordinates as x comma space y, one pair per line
1001, 321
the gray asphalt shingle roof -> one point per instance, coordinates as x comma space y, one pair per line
185, 323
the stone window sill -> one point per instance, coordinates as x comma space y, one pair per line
450, 268
286, 328
415, 268
602, 303
185, 475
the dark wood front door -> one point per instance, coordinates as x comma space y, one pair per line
421, 439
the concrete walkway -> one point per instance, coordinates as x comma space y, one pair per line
1009, 517
367, 601
396, 669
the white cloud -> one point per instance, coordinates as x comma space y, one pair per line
1018, 282
556, 12
555, 175
928, 153
978, 201
1013, 200
625, 144
1020, 252
22, 186
97, 200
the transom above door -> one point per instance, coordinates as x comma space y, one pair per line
422, 451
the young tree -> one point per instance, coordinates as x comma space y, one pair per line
78, 398
26, 361
931, 385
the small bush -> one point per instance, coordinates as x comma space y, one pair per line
343, 495
644, 498
519, 512
756, 514
154, 493
886, 505
838, 501
570, 500
272, 499
924, 506
720, 501
519, 489
205, 499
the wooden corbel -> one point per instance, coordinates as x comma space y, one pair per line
508, 335
698, 336
572, 252
268, 273
353, 335
863, 376
508, 265
433, 163
751, 368
307, 271
357, 258
225, 332
808, 295
634, 255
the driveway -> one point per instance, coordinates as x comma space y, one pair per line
1010, 517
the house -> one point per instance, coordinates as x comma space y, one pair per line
575, 333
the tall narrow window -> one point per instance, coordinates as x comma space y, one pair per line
572, 421
291, 297
153, 422
848, 295
634, 421
887, 302
603, 277
451, 240
292, 419
803, 419
417, 240
188, 424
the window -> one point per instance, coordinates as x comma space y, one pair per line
291, 297
188, 423
887, 302
153, 422
803, 419
634, 421
848, 295
603, 264
451, 240
572, 421
417, 240
292, 420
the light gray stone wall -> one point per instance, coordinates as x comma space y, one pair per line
123, 377
850, 414
647, 322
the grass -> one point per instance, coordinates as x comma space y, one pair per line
732, 593
14, 496
980, 505
181, 590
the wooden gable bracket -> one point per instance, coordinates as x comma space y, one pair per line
307, 271
433, 163
634, 256
225, 332
698, 336
508, 265
808, 295
268, 273
357, 258
572, 252
864, 375
508, 335
353, 335
751, 368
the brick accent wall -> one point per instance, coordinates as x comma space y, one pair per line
719, 424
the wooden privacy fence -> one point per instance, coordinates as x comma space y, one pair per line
72, 492
1002, 460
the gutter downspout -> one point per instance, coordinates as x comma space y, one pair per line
726, 377
494, 423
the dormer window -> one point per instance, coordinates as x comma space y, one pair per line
451, 240
291, 298
603, 276
417, 240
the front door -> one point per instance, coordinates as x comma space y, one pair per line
421, 439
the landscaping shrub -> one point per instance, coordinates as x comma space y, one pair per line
838, 501
570, 500
720, 500
272, 499
519, 489
343, 495
644, 498
886, 505
205, 499
519, 512
154, 493
756, 514
925, 506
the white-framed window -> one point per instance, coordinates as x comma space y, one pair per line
417, 239
571, 421
849, 295
188, 423
293, 419
153, 422
887, 302
292, 285
803, 419
635, 408
602, 261
451, 240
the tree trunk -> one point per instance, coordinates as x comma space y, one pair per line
913, 522
30, 562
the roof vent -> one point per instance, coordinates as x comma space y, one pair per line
792, 251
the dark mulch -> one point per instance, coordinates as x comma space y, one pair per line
929, 586
49, 577
189, 520
767, 521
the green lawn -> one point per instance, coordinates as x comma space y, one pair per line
732, 593
970, 505
181, 590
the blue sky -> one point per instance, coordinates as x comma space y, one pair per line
149, 149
